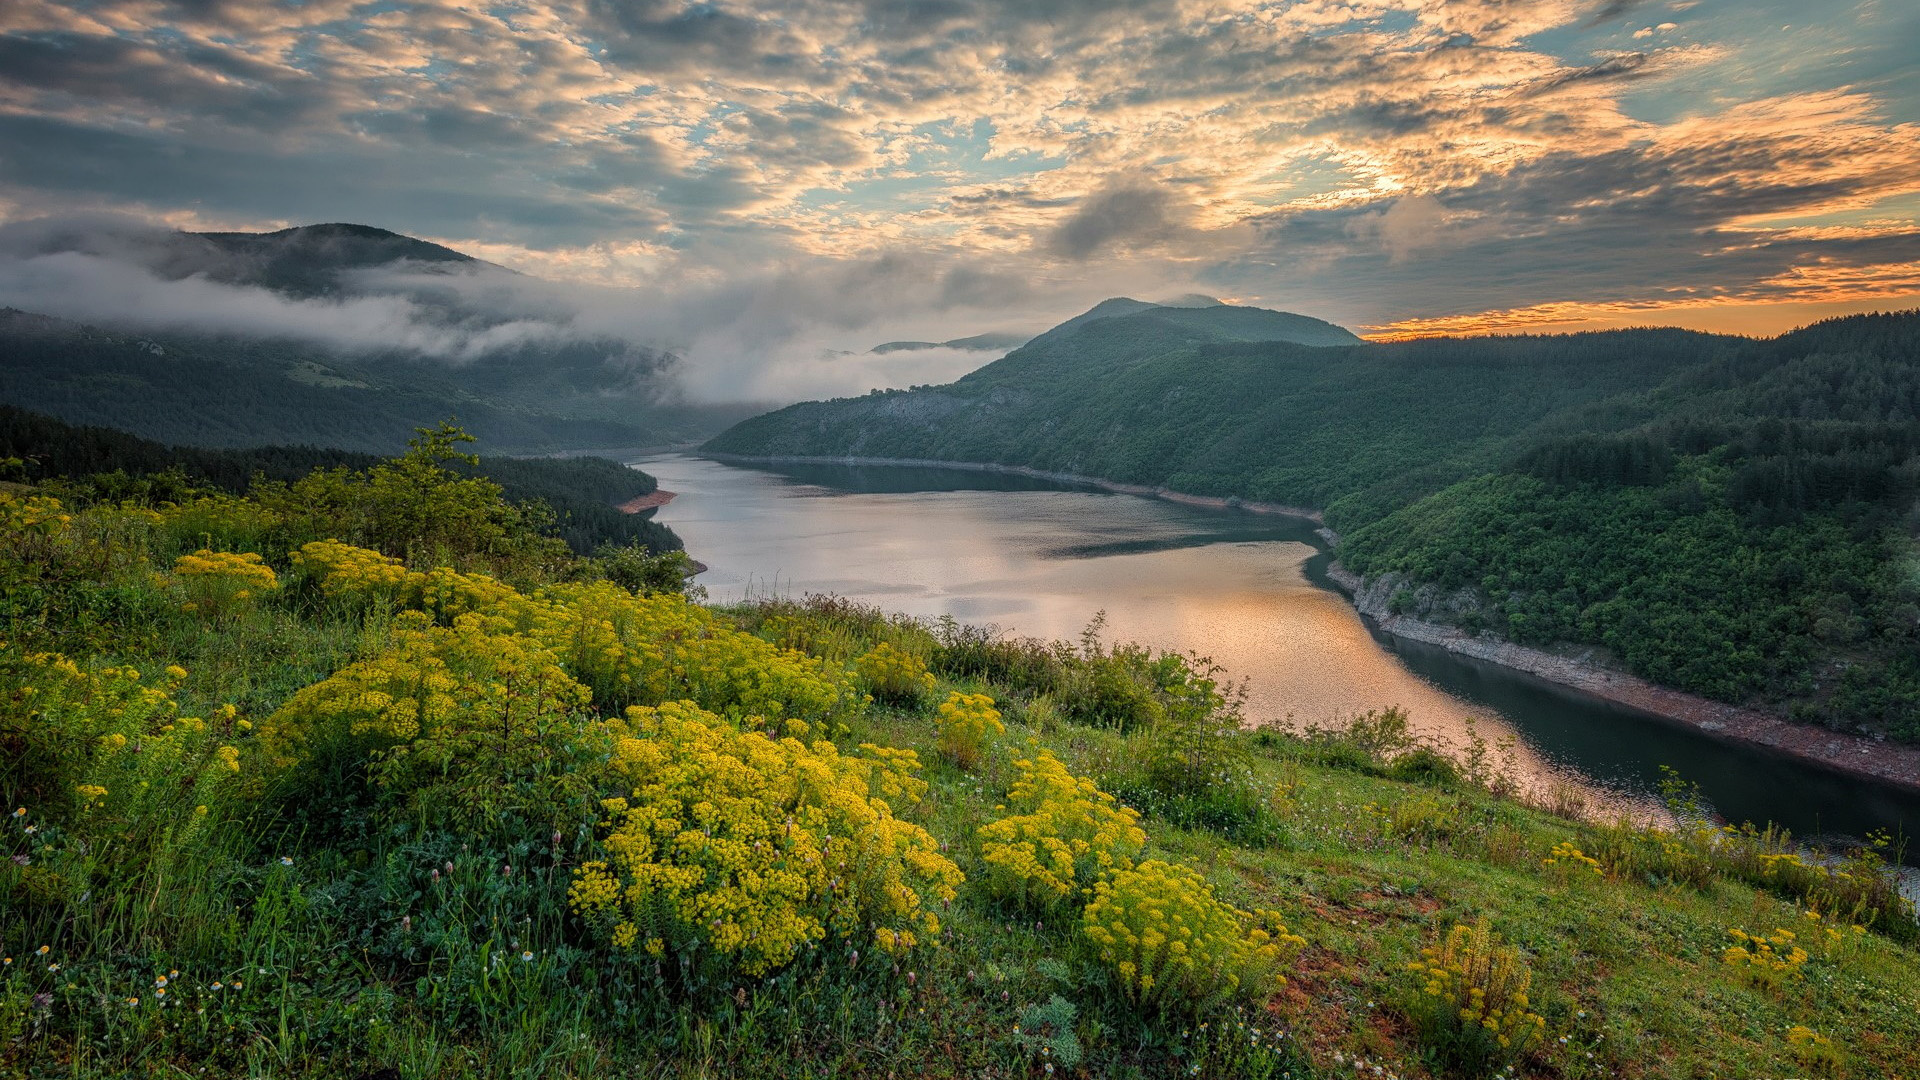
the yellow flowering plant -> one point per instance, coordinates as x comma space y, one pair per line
748, 849
1766, 961
466, 721
1471, 1001
216, 585
105, 752
892, 676
358, 576
649, 650
968, 722
1060, 837
1568, 864
1175, 947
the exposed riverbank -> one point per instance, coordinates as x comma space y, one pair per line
653, 500
1854, 755
1858, 755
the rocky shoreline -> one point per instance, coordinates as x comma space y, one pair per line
653, 500
1857, 755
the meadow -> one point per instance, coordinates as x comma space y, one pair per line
364, 775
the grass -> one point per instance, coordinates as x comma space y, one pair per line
317, 931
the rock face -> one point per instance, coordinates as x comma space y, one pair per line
1585, 670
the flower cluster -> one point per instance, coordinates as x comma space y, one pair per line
1768, 962
1062, 834
1815, 1051
893, 676
214, 584
354, 574
1473, 997
967, 723
649, 650
459, 717
1177, 947
736, 845
1569, 861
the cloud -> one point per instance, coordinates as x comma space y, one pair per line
1125, 216
1345, 153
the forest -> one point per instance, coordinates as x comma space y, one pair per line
362, 772
576, 498
1731, 517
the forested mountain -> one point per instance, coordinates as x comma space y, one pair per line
478, 340
229, 392
1728, 516
103, 463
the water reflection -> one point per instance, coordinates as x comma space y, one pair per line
1040, 559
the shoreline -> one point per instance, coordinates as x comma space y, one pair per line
652, 500
1891, 763
1210, 502
1895, 764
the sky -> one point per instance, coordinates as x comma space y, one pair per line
826, 174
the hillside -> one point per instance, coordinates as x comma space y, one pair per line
385, 785
1726, 516
582, 494
476, 340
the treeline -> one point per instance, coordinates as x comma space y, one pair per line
1728, 516
102, 463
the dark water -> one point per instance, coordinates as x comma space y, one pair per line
1039, 558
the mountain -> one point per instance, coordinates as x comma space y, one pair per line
1730, 517
978, 342
1204, 316
519, 374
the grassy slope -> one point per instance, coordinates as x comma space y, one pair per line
1629, 972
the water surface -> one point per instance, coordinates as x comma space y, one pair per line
1038, 558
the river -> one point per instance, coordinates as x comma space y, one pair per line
1038, 558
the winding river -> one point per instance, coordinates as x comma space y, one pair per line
1038, 558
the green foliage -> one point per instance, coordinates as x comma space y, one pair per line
1725, 516
1175, 947
1471, 999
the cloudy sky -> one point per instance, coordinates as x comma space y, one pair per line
928, 168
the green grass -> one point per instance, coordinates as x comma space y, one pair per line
349, 935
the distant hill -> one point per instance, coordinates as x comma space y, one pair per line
978, 342
225, 392
548, 390
1727, 516
1205, 316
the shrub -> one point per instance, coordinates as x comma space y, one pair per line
967, 723
1471, 1004
1175, 947
1569, 864
108, 766
463, 722
1655, 856
638, 570
1767, 963
748, 849
1420, 818
1815, 1051
1061, 836
892, 676
216, 585
360, 577
226, 522
635, 650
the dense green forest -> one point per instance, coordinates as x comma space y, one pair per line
1727, 516
576, 498
363, 774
